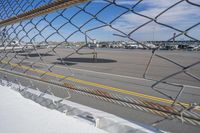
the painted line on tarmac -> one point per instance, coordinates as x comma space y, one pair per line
116, 75
121, 76
109, 74
124, 76
98, 85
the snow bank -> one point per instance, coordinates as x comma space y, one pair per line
18, 114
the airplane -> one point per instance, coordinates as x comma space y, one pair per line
16, 46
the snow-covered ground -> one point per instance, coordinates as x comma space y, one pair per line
20, 115
22, 112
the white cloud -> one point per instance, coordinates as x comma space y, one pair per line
182, 16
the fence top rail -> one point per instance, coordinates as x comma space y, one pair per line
53, 6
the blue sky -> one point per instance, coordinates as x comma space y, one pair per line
181, 16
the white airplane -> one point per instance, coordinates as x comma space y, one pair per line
150, 45
193, 48
16, 46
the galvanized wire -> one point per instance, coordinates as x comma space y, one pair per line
27, 23
186, 115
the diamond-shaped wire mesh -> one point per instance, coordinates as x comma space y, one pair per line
37, 46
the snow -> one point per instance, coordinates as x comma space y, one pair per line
29, 110
20, 115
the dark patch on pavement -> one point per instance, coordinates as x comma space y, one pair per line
36, 55
65, 63
88, 60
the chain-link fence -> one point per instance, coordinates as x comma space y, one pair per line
38, 37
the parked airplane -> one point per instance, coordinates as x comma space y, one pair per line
16, 46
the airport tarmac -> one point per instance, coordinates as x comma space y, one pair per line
121, 71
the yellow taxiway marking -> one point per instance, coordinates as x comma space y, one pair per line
163, 100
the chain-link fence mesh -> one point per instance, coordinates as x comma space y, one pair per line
38, 37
